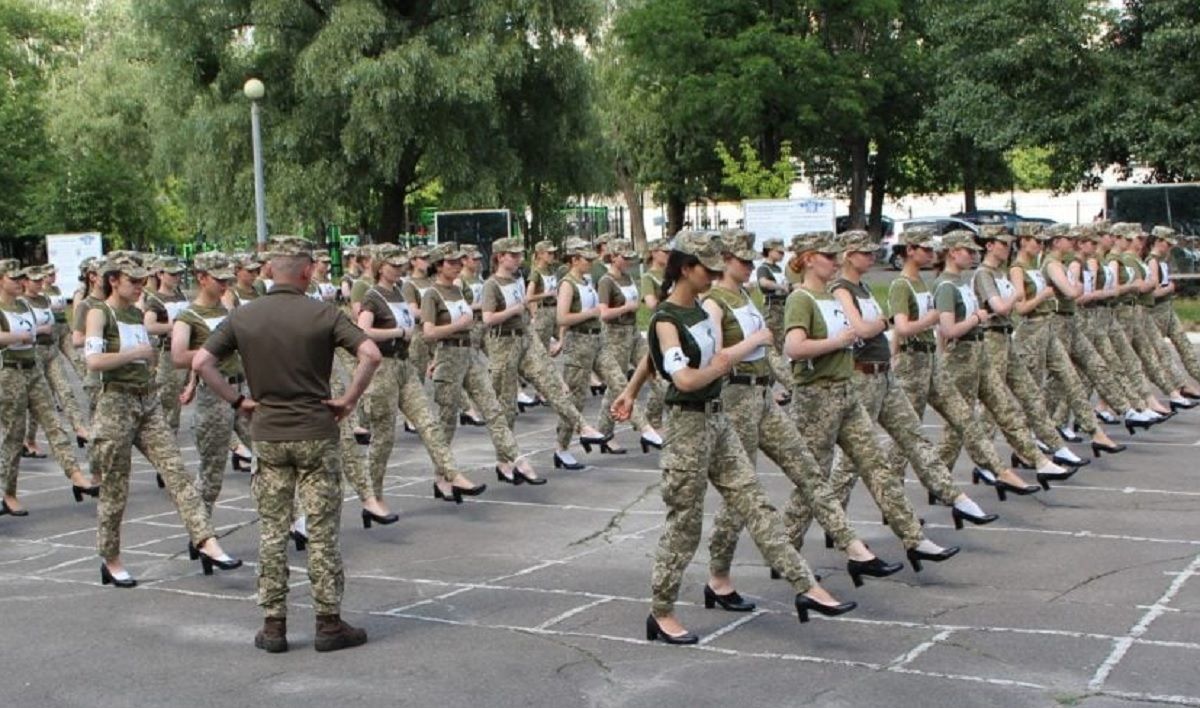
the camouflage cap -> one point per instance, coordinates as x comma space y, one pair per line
856, 241
1165, 233
391, 254
246, 261
289, 246
470, 250
960, 238
819, 241
444, 251
1029, 228
1088, 233
1054, 231
739, 244
419, 251
38, 272
169, 264
622, 247
546, 246
509, 245
125, 266
11, 267
705, 246
215, 264
1103, 226
996, 232
350, 252
920, 236
579, 247
658, 244
88, 265
603, 239
136, 257
773, 244
1126, 229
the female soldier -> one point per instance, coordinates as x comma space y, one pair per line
1149, 277
619, 303
447, 321
1168, 323
89, 295
245, 271
885, 402
514, 353
129, 413
386, 319
161, 308
652, 276
25, 391
775, 286
761, 424
414, 288
824, 406
579, 313
50, 359
703, 446
542, 292
70, 355
472, 287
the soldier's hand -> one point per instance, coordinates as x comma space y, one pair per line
464, 322
847, 337
340, 407
723, 362
555, 347
187, 394
622, 407
762, 337
142, 352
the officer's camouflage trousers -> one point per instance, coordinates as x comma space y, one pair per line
212, 425
829, 414
54, 365
24, 392
584, 354
397, 386
887, 404
915, 372
1047, 361
701, 448
626, 346
1001, 403
125, 420
462, 368
170, 384
761, 424
1133, 321
522, 356
1170, 327
304, 474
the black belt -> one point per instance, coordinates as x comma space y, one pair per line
1037, 315
550, 301
872, 367
776, 298
713, 406
504, 333
750, 380
923, 347
975, 335
587, 331
1066, 314
1003, 329
235, 380
20, 364
454, 343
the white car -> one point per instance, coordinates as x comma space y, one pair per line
888, 252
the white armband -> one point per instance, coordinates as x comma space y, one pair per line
93, 345
673, 360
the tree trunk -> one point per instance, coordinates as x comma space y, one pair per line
675, 210
970, 178
633, 200
392, 222
535, 214
879, 177
858, 184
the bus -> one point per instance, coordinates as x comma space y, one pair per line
1174, 205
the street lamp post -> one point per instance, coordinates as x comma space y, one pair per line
254, 91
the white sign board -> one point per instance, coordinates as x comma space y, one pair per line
784, 218
66, 251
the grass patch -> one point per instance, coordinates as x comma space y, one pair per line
1188, 310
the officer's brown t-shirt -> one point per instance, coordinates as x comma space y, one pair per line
287, 340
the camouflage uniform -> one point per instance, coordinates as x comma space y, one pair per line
170, 380
773, 303
26, 392
701, 447
1164, 315
50, 359
650, 285
621, 339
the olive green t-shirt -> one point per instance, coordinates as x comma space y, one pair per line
1034, 283
739, 318
472, 287
912, 297
1063, 302
359, 289
615, 291
17, 317
244, 295
774, 273
82, 307
413, 291
202, 322
989, 283
389, 311
876, 349
125, 328
442, 304
545, 281
953, 292
820, 316
651, 282
500, 293
698, 342
166, 307
582, 291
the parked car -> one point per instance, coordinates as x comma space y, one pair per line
888, 253
991, 216
842, 223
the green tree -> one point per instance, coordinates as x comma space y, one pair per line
749, 178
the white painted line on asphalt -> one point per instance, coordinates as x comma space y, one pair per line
571, 613
745, 619
1121, 646
1152, 698
911, 655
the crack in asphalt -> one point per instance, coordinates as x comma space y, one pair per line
614, 522
1114, 571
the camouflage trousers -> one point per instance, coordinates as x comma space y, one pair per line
701, 447
128, 417
774, 315
212, 425
958, 366
584, 354
1128, 362
344, 364
420, 352
170, 384
829, 414
1048, 363
780, 369
1001, 403
522, 356
1143, 336
1093, 368
62, 336
915, 370
396, 386
1170, 327
25, 392
761, 424
1029, 397
545, 324
1096, 324
459, 369
887, 404
54, 365
306, 475
627, 347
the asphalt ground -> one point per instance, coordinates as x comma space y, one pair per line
1083, 595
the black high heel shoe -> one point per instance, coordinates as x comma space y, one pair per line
106, 578
207, 562
1066, 462
159, 480
933, 500
1177, 406
1131, 424
464, 419
599, 389
363, 438
239, 463
915, 557
78, 492
1098, 448
978, 476
560, 463
409, 429
33, 454
828, 541
1017, 463
874, 568
605, 449
299, 539
81, 441
454, 496
654, 632
526, 479
776, 575
501, 477
6, 509
384, 520
1045, 478
1003, 488
960, 516
587, 442
731, 602
647, 444
804, 603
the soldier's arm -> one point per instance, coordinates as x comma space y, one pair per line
181, 335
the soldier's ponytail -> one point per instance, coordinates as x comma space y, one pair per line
676, 262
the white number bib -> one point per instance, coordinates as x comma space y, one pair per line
630, 293
1005, 287
706, 340
970, 302
42, 316
20, 322
1039, 280
402, 314
58, 303
513, 293
174, 308
1165, 273
213, 322
133, 335
869, 309
1089, 282
833, 316
751, 321
457, 308
549, 283
587, 296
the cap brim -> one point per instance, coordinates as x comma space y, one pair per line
221, 274
396, 261
135, 272
744, 255
715, 263
174, 271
